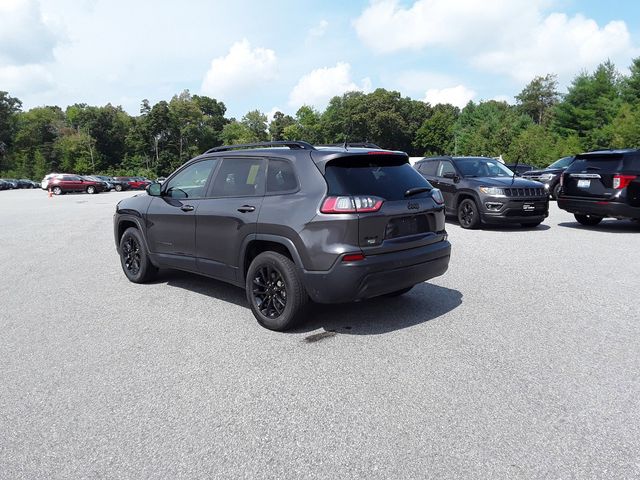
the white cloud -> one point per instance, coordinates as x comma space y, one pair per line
514, 37
242, 68
319, 29
18, 79
317, 87
458, 96
25, 37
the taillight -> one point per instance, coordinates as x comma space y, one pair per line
436, 194
621, 181
358, 203
562, 180
353, 257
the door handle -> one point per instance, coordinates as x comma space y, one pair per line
186, 208
246, 208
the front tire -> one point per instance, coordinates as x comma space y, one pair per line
118, 188
555, 193
468, 214
274, 291
56, 190
91, 189
134, 257
588, 220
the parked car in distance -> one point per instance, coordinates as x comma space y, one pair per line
602, 184
65, 183
160, 180
4, 185
289, 224
550, 176
117, 185
13, 183
519, 168
136, 183
481, 190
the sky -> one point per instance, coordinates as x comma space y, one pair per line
280, 55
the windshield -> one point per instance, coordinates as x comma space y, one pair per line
562, 163
482, 167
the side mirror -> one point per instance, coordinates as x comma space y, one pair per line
154, 189
453, 176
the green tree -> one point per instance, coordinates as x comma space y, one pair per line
436, 136
235, 132
631, 84
278, 124
9, 108
256, 122
537, 98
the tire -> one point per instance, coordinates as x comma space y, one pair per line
134, 257
118, 188
468, 214
56, 190
397, 293
531, 224
274, 291
588, 220
555, 192
91, 189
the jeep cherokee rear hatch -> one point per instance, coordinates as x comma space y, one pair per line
396, 207
598, 175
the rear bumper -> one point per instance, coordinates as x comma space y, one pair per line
599, 208
377, 274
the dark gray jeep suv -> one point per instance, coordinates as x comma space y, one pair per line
289, 222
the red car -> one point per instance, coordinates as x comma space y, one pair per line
74, 183
136, 183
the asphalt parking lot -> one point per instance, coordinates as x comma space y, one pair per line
521, 362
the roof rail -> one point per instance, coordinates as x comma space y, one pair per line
352, 145
293, 145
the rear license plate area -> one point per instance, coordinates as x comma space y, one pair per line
582, 183
405, 226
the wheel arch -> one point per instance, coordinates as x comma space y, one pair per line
255, 244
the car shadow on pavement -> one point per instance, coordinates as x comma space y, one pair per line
370, 317
515, 227
380, 315
606, 226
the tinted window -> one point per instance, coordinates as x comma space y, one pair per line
445, 167
280, 176
239, 177
388, 178
597, 163
191, 181
562, 163
428, 168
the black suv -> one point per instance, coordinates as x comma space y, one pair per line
288, 221
602, 184
550, 176
479, 189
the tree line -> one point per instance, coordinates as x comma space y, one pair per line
600, 109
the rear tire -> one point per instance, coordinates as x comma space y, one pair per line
56, 190
397, 293
134, 257
588, 220
91, 189
468, 214
118, 188
274, 291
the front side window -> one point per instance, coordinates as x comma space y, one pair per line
239, 177
191, 181
446, 167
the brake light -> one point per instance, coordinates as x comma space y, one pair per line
436, 194
562, 180
378, 152
359, 203
621, 181
353, 257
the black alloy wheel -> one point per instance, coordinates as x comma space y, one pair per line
269, 291
556, 191
134, 257
131, 255
588, 220
468, 214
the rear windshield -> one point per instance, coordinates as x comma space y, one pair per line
606, 163
387, 177
562, 163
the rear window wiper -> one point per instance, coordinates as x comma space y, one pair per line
416, 190
593, 168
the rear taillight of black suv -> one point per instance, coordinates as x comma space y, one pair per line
622, 181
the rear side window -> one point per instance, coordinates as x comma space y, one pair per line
280, 177
239, 177
606, 163
384, 176
428, 168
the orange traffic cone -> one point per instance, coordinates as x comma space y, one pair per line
50, 193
